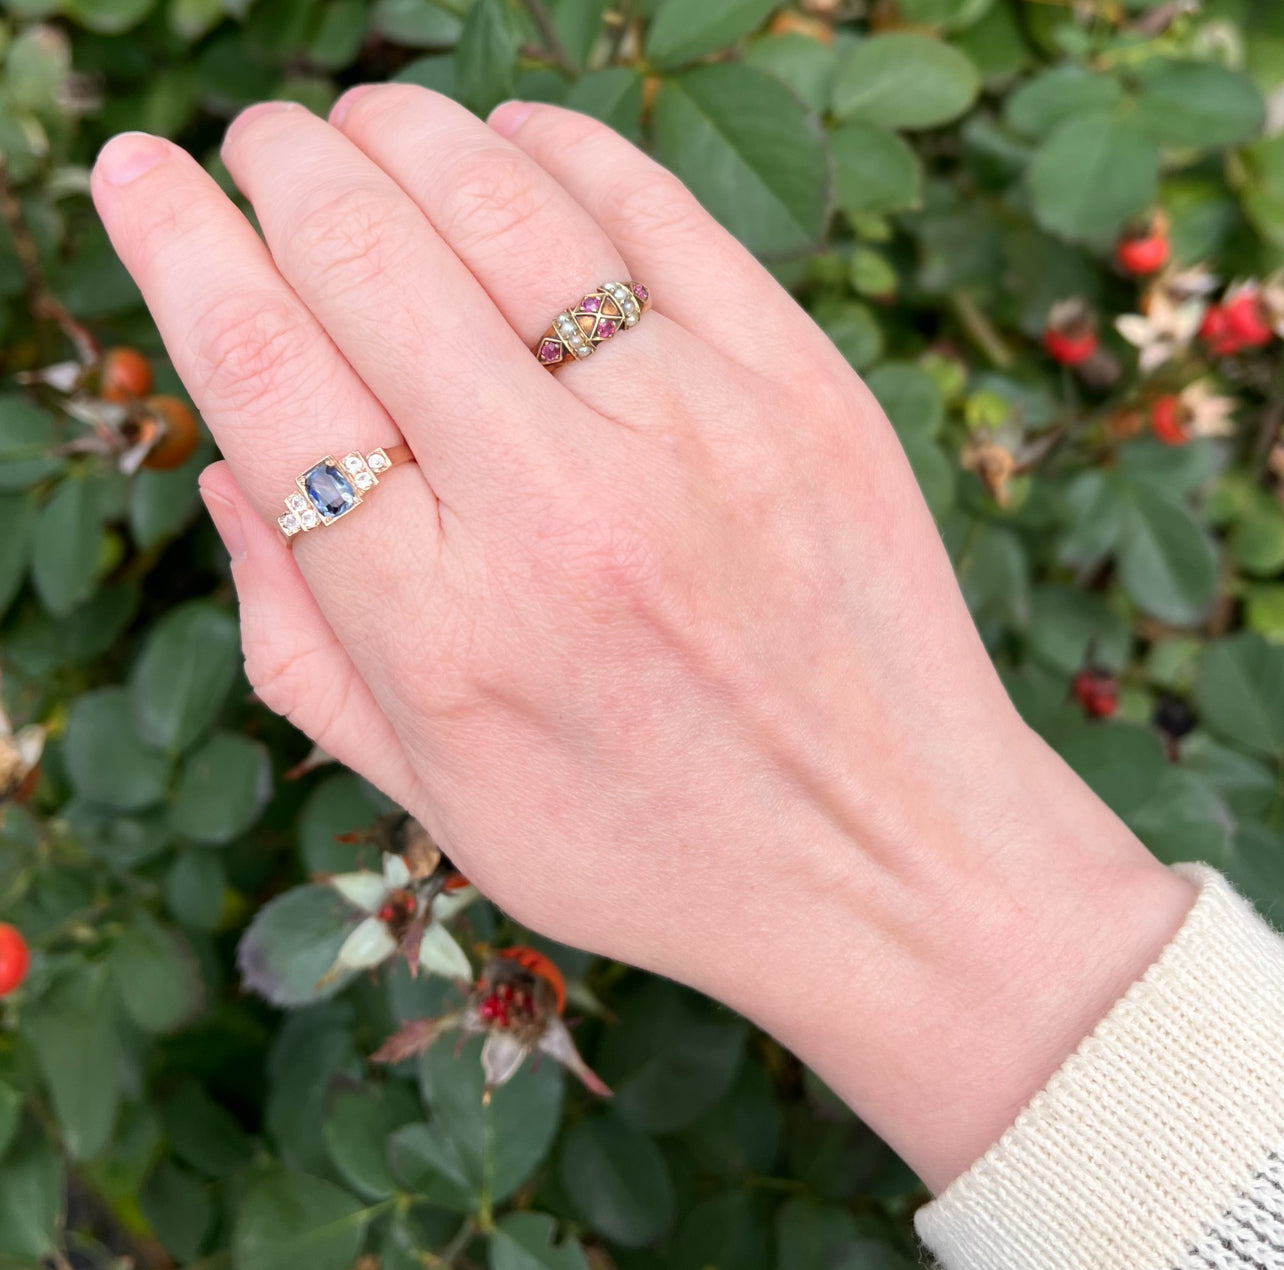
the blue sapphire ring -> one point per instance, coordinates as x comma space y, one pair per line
330, 489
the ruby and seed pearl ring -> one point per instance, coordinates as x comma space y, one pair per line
577, 331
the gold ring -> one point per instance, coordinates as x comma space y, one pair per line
329, 490
577, 331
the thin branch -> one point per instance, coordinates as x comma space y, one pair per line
552, 41
981, 330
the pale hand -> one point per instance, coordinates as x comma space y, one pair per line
664, 649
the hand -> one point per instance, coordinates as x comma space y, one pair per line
664, 649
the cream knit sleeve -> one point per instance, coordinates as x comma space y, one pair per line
1159, 1143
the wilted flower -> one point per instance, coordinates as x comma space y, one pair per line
19, 758
1197, 411
1172, 310
405, 914
517, 1004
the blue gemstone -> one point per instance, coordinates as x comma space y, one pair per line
329, 490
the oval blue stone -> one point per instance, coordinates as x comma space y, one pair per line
330, 491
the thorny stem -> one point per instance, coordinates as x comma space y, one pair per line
41, 300
552, 41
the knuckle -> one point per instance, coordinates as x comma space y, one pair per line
492, 197
654, 210
250, 351
342, 236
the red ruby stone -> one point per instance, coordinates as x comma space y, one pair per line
641, 292
550, 351
606, 328
591, 303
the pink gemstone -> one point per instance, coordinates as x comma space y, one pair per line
606, 328
591, 303
641, 292
550, 351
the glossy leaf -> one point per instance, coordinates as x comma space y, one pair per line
682, 32
68, 546
875, 170
525, 1241
222, 789
32, 1187
1199, 104
749, 150
290, 1219
904, 80
107, 763
1167, 562
1240, 692
184, 673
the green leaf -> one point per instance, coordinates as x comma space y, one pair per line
904, 80
485, 58
671, 1058
26, 437
1122, 763
18, 516
108, 17
68, 546
31, 1197
178, 1207
1184, 819
948, 15
617, 1180
225, 785
1091, 174
932, 470
156, 975
186, 668
1057, 95
1167, 562
854, 329
357, 1129
724, 1231
426, 1163
293, 942
1240, 692
1069, 628
340, 805
72, 1033
1257, 537
875, 171
415, 23
524, 1115
288, 1220
202, 1132
802, 64
910, 396
123, 842
195, 887
524, 1241
613, 95
750, 152
1197, 104
579, 24
683, 32
106, 762
163, 504
338, 37
994, 573
809, 1233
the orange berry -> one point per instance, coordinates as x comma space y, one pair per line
1070, 348
126, 375
1167, 420
542, 966
15, 958
1142, 255
180, 433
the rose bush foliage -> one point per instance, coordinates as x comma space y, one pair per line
1046, 234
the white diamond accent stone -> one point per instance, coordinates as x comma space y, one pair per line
296, 502
308, 519
289, 524
377, 462
354, 462
362, 480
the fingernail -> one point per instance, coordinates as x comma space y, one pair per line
128, 155
227, 520
251, 113
339, 112
507, 117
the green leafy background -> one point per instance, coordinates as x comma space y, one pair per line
929, 177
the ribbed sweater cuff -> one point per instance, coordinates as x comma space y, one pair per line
1154, 1129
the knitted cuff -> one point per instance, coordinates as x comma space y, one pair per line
1156, 1131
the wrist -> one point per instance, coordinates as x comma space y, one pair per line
936, 994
